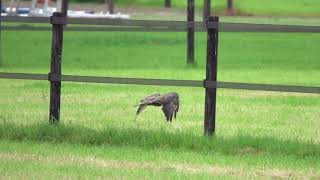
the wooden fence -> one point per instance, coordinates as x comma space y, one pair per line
98, 24
212, 26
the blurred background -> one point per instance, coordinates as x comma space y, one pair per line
167, 9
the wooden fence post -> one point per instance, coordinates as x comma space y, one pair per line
230, 7
190, 19
206, 9
64, 7
211, 75
167, 3
55, 72
110, 6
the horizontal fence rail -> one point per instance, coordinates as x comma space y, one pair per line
246, 27
126, 23
100, 29
103, 21
147, 25
23, 76
164, 82
25, 19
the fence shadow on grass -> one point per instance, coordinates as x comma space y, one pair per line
155, 139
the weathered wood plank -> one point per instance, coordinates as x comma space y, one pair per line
64, 7
167, 3
55, 86
211, 75
190, 33
206, 9
230, 7
110, 6
165, 82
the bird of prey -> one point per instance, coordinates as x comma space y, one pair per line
169, 103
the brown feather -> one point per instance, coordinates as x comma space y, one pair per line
169, 102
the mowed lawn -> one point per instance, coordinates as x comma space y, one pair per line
259, 134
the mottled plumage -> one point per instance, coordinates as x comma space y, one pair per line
169, 103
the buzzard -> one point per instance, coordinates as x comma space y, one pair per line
169, 103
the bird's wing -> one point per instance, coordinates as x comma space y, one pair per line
150, 99
171, 107
168, 110
147, 101
176, 102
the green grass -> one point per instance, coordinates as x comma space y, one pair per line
274, 7
160, 138
264, 57
70, 160
259, 134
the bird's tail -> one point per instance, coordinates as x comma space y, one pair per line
140, 109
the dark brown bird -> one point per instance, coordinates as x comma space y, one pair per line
169, 103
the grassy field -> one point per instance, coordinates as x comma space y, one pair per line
247, 7
259, 134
